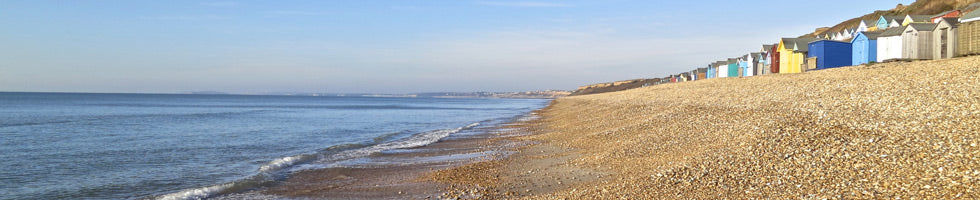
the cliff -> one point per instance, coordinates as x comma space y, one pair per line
920, 7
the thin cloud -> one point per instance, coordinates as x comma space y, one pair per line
524, 4
220, 4
294, 12
186, 17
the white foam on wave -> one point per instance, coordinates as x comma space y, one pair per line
196, 193
264, 174
417, 140
280, 163
528, 117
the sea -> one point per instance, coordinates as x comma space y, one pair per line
185, 146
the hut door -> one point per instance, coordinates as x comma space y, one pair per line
943, 42
908, 45
860, 51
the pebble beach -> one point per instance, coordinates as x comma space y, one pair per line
899, 130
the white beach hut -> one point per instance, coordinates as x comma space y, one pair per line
890, 44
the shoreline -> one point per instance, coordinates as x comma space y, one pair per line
397, 173
536, 168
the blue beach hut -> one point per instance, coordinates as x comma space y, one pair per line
745, 65
864, 47
830, 53
711, 71
732, 67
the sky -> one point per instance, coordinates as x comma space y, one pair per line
378, 46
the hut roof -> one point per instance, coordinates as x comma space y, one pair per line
920, 18
827, 41
923, 26
872, 35
894, 17
870, 22
943, 13
893, 31
788, 43
972, 15
801, 43
952, 21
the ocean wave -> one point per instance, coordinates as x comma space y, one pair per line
416, 140
273, 170
196, 193
281, 163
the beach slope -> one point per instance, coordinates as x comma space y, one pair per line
903, 129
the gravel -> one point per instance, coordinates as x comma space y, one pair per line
907, 130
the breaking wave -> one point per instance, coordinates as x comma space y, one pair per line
329, 157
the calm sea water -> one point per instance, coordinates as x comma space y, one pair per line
134, 146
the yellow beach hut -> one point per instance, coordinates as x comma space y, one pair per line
790, 54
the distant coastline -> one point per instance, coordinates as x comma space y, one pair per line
542, 94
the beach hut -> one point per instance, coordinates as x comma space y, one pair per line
745, 65
944, 38
802, 49
829, 53
864, 47
755, 63
909, 19
774, 59
896, 22
785, 51
733, 67
968, 34
886, 21
867, 25
890, 44
763, 67
722, 68
765, 59
792, 52
710, 73
917, 41
702, 73
947, 14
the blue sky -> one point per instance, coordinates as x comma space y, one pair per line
383, 46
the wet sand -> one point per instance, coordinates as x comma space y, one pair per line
396, 174
883, 131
